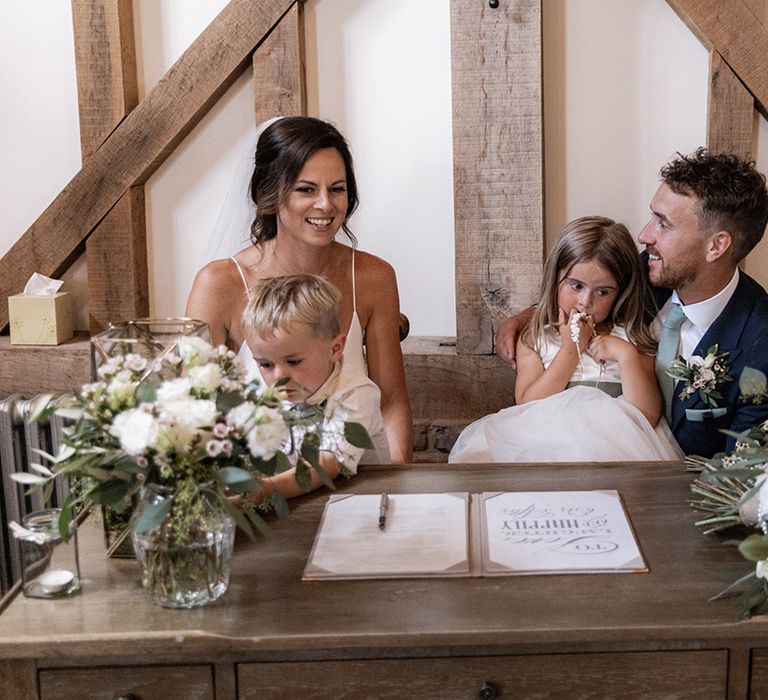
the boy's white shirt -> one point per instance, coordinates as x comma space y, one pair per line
352, 396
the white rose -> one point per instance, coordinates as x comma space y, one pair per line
174, 390
120, 393
206, 378
240, 415
195, 351
696, 361
136, 430
111, 366
707, 376
192, 413
185, 422
269, 433
135, 362
761, 569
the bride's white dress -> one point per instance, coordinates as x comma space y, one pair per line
584, 423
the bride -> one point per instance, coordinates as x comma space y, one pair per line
304, 190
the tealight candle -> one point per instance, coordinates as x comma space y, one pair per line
55, 581
49, 562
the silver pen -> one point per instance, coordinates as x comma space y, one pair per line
383, 508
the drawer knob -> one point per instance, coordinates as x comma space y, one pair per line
488, 691
129, 696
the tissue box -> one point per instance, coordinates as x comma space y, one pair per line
40, 320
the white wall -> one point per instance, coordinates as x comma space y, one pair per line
624, 87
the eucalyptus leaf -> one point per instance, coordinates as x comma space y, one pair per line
355, 434
65, 518
303, 477
236, 514
110, 491
282, 463
754, 548
280, 504
310, 449
324, 477
227, 400
146, 392
258, 522
237, 479
153, 516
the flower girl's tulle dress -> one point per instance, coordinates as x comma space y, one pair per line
582, 423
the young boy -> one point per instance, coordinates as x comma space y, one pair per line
291, 327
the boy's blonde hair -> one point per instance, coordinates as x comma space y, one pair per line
277, 302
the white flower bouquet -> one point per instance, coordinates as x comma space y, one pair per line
731, 491
186, 422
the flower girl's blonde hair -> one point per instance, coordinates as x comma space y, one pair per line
610, 245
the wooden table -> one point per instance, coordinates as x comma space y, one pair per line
272, 635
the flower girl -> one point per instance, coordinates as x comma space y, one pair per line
585, 388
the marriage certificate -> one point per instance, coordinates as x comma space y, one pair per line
486, 534
538, 532
425, 535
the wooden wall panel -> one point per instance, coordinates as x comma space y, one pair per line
142, 141
497, 161
279, 77
731, 114
116, 251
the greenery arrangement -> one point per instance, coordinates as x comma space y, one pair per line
729, 491
187, 422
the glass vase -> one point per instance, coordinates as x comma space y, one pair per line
185, 558
153, 339
50, 565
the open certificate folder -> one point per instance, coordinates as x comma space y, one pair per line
487, 534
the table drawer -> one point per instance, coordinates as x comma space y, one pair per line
758, 677
135, 682
679, 674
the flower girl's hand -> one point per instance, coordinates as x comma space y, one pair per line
603, 348
577, 330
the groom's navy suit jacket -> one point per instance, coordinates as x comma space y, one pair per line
742, 331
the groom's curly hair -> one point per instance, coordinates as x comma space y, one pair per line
281, 153
731, 192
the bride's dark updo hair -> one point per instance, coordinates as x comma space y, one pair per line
282, 150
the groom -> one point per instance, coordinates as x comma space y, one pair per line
709, 211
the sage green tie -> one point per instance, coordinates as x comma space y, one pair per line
666, 353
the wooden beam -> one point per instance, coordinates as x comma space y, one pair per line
732, 29
142, 141
759, 9
116, 256
497, 161
279, 76
731, 114
116, 251
105, 58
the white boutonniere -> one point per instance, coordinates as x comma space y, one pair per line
702, 374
